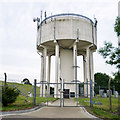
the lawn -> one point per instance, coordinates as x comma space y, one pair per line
20, 104
24, 88
20, 101
102, 110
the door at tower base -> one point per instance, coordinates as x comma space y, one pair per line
66, 93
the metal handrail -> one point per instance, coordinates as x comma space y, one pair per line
66, 14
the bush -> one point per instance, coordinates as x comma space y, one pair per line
26, 81
9, 95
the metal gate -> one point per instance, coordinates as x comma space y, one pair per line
64, 96
70, 96
47, 97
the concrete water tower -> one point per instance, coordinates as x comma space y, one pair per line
67, 36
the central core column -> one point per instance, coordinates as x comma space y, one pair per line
66, 68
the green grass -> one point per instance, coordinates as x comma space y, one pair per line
22, 87
14, 107
19, 103
104, 112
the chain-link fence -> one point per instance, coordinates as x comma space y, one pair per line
25, 94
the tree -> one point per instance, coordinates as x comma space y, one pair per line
110, 54
117, 30
116, 81
101, 79
117, 26
26, 81
5, 79
9, 95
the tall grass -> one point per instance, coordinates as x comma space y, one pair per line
104, 112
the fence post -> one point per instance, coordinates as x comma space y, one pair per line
47, 92
87, 88
60, 92
110, 102
63, 91
91, 95
34, 97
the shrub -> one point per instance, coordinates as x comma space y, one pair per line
9, 95
26, 81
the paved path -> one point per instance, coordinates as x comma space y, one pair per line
67, 102
55, 112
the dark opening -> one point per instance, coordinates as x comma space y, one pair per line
51, 91
66, 93
72, 94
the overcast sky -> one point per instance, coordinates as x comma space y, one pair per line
18, 56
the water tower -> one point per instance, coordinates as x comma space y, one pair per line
67, 36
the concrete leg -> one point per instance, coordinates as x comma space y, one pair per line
85, 75
56, 69
48, 73
88, 70
44, 73
75, 68
41, 77
92, 72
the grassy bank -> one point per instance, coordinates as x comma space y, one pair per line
103, 110
20, 103
24, 88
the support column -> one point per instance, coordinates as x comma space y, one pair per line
92, 72
88, 71
75, 61
85, 75
41, 77
56, 69
44, 71
75, 68
48, 73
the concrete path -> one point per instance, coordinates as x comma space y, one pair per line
55, 112
67, 102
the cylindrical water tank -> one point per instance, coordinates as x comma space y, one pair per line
67, 36
65, 28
